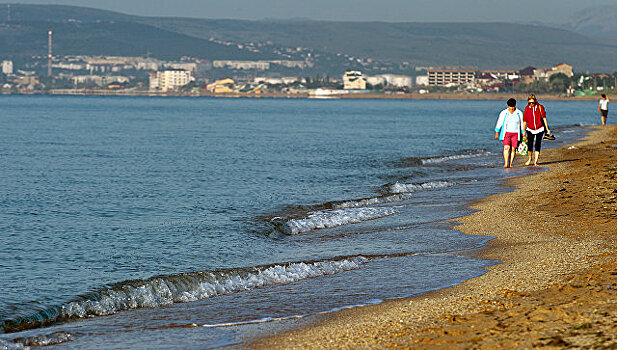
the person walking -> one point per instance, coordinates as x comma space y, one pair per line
603, 108
535, 124
509, 129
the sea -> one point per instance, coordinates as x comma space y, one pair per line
196, 223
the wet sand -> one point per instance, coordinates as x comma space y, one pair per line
556, 286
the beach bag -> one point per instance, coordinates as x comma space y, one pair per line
522, 148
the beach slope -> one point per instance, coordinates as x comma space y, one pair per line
556, 285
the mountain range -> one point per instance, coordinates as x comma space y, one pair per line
585, 41
598, 21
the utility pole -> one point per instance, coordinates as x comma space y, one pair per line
49, 53
8, 12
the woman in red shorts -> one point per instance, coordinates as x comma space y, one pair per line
509, 129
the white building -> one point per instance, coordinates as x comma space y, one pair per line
82, 79
100, 80
69, 66
450, 76
546, 73
243, 65
187, 66
394, 80
353, 80
171, 79
422, 80
7, 67
281, 80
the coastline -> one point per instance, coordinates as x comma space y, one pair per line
556, 283
351, 96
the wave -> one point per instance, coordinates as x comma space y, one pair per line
371, 201
6, 345
165, 290
413, 187
441, 159
418, 161
42, 340
300, 219
331, 218
397, 192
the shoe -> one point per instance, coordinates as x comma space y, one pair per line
549, 137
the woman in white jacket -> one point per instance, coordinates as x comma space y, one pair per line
509, 129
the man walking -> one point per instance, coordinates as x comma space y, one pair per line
603, 108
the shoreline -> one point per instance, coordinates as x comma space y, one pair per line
349, 96
555, 283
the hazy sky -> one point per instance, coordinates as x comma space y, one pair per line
548, 11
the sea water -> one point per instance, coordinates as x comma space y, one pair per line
192, 222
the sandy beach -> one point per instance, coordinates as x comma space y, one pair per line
556, 285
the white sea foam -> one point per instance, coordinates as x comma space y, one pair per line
334, 218
167, 290
40, 340
6, 345
407, 188
257, 321
372, 201
453, 157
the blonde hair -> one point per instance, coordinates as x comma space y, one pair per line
532, 96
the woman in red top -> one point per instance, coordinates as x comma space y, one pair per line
534, 122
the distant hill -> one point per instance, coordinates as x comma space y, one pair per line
486, 45
88, 31
59, 13
85, 31
109, 38
598, 21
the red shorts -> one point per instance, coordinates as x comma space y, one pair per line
511, 139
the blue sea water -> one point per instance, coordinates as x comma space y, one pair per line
171, 222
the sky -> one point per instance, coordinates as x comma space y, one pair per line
543, 11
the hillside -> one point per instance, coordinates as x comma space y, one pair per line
90, 31
107, 38
488, 45
84, 31
598, 21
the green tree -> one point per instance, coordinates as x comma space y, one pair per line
559, 82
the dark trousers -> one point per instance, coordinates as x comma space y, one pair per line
534, 142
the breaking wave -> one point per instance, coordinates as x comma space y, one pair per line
371, 201
408, 188
433, 160
42, 340
165, 290
339, 213
418, 161
6, 345
331, 218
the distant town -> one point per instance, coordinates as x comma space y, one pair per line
193, 76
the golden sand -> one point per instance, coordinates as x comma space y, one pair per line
556, 286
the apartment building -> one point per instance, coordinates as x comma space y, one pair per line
7, 67
502, 74
450, 77
353, 80
171, 79
546, 73
241, 65
394, 80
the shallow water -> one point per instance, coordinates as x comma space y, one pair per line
123, 220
